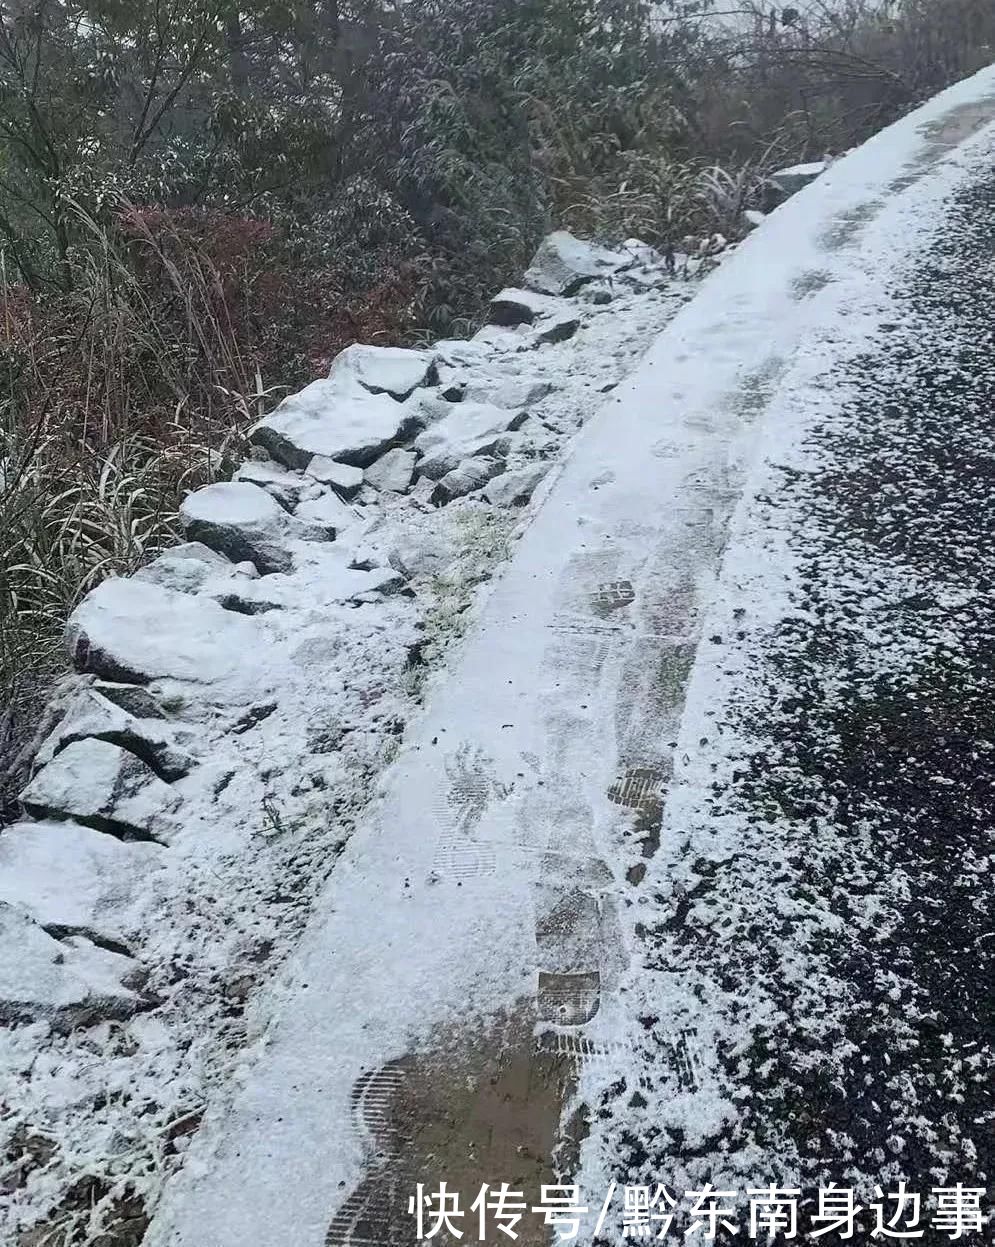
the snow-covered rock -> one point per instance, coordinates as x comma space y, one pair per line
639, 252
329, 513
102, 786
460, 353
384, 369
393, 471
332, 584
711, 245
520, 307
185, 574
72, 879
132, 698
288, 488
515, 488
514, 392
130, 632
469, 431
199, 553
470, 475
599, 293
65, 983
796, 177
426, 407
452, 383
90, 715
556, 328
537, 440
345, 480
564, 263
496, 340
419, 553
243, 521
382, 582
336, 419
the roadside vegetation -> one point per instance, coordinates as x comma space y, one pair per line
202, 201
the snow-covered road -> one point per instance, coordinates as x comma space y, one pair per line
594, 927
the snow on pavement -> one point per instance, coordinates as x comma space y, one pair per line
591, 926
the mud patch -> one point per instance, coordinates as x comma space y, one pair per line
671, 674
477, 1108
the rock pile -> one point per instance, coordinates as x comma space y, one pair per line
331, 514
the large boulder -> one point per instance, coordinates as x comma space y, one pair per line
384, 369
471, 430
65, 983
242, 521
101, 786
73, 880
132, 633
564, 263
337, 419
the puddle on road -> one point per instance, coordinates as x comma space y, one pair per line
477, 1108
